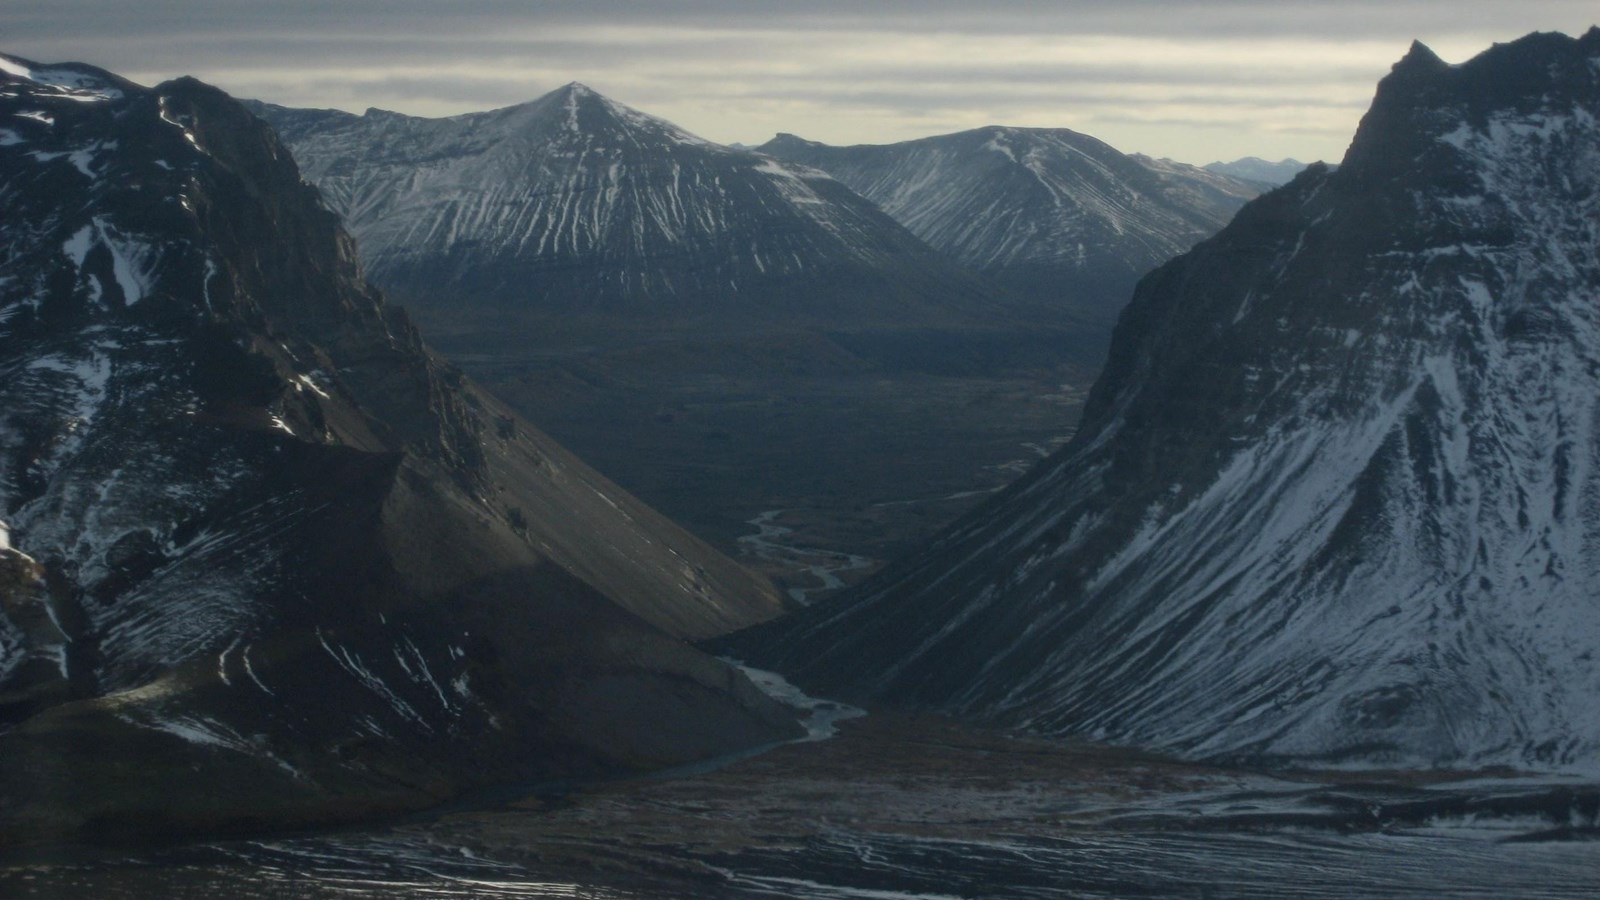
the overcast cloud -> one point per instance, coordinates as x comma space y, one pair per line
1194, 81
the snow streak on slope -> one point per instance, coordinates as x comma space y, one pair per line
1336, 497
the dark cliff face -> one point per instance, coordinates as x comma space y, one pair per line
1334, 496
575, 205
1057, 217
269, 560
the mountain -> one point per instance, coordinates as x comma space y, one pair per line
1254, 168
576, 204
725, 334
1053, 215
1336, 497
266, 560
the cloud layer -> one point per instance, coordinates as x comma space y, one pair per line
1194, 81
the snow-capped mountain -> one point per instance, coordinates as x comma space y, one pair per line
577, 204
1254, 168
1336, 496
1051, 214
264, 558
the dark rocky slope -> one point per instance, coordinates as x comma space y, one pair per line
269, 560
1336, 496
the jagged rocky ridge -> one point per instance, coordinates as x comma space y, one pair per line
1336, 496
1052, 215
578, 205
266, 560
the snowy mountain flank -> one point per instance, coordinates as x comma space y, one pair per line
264, 559
1053, 215
1336, 497
576, 204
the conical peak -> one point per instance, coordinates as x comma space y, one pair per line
581, 109
575, 96
576, 89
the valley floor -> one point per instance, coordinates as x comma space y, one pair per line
860, 447
905, 806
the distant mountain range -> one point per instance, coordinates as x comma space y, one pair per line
676, 311
1254, 168
578, 205
1334, 498
618, 279
574, 204
1053, 216
265, 559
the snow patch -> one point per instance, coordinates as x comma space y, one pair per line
77, 247
133, 262
68, 83
306, 382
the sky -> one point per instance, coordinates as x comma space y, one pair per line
1191, 81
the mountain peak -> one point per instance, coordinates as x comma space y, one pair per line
576, 89
785, 142
1420, 56
587, 170
1254, 168
575, 96
582, 110
1006, 132
186, 336
1320, 505
1542, 69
